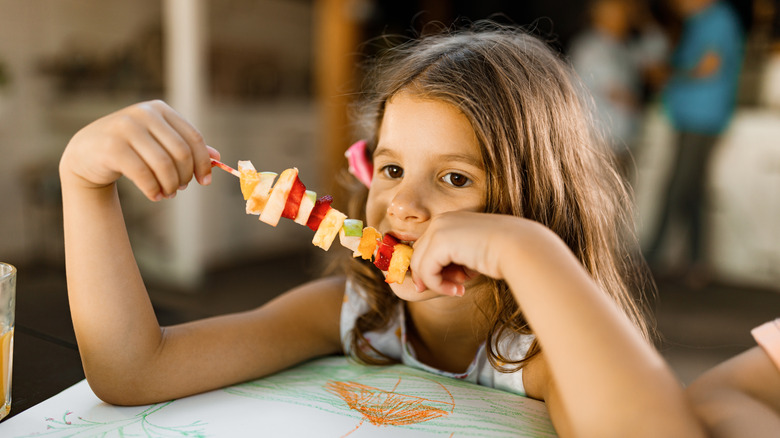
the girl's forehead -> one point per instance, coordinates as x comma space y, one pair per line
418, 123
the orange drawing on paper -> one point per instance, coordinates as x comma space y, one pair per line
390, 408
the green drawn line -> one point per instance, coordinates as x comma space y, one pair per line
138, 425
478, 411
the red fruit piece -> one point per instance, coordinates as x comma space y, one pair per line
294, 199
389, 240
321, 207
385, 252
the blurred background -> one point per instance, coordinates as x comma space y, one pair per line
270, 81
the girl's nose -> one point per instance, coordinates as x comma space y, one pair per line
407, 204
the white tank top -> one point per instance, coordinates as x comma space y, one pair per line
393, 343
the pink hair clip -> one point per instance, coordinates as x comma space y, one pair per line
359, 165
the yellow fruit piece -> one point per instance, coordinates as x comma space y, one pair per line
368, 243
260, 194
399, 263
329, 228
249, 178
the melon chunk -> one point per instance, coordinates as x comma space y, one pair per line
248, 179
329, 228
368, 243
350, 233
273, 209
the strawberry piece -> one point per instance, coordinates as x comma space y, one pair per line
294, 199
385, 252
321, 207
389, 240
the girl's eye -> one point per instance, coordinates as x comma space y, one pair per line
392, 171
457, 180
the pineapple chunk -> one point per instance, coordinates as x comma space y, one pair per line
329, 229
260, 194
399, 263
307, 204
272, 211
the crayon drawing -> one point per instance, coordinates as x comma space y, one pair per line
328, 397
382, 407
403, 398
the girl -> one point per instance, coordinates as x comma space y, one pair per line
520, 278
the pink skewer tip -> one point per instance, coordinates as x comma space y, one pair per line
225, 167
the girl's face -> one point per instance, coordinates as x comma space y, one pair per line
427, 162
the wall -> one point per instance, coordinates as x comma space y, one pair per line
259, 107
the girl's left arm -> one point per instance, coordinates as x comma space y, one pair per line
603, 379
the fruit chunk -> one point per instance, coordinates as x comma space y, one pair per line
368, 243
350, 233
248, 178
329, 228
293, 203
307, 204
260, 194
385, 252
272, 211
399, 263
321, 207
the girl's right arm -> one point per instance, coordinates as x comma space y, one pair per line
127, 357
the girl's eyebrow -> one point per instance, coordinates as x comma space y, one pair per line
463, 158
383, 151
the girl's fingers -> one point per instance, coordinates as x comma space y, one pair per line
158, 161
200, 153
173, 137
213, 153
179, 151
432, 270
137, 171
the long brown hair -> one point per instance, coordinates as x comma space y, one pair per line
543, 159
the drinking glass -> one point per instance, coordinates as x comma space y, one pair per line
7, 307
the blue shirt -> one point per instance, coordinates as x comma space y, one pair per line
705, 105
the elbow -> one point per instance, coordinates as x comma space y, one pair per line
120, 390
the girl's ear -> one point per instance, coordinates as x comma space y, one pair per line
359, 164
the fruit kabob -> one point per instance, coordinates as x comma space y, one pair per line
289, 198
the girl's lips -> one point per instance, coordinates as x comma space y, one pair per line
406, 239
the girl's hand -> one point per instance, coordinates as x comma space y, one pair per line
149, 143
457, 246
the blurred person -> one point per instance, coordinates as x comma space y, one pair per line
741, 396
699, 99
611, 62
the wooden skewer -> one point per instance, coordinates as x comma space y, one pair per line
225, 167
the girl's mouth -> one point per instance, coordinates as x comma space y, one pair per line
404, 239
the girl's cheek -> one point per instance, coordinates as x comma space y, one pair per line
374, 212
